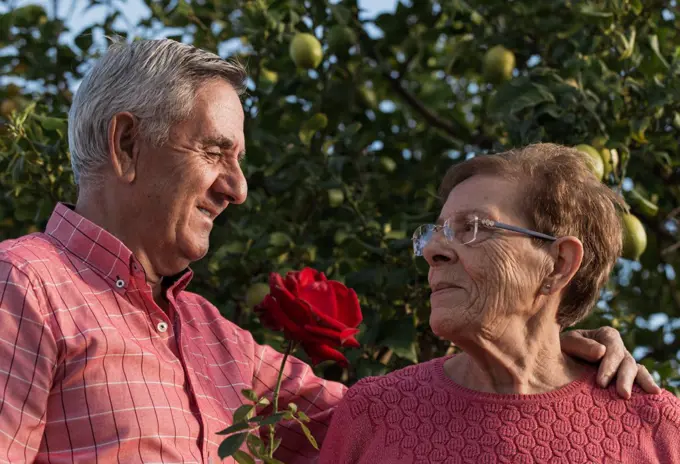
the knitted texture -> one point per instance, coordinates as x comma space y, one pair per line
419, 415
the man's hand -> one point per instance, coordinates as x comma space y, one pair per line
605, 345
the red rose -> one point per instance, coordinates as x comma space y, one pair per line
319, 313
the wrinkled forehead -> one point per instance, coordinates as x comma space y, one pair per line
485, 196
220, 111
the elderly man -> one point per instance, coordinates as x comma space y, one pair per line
104, 355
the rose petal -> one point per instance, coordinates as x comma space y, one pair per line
306, 277
333, 337
324, 320
297, 310
275, 280
320, 353
321, 297
349, 310
271, 314
266, 311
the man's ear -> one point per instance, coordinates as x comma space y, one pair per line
567, 253
124, 146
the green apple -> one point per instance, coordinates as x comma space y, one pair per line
594, 159
499, 63
634, 237
335, 197
256, 293
305, 51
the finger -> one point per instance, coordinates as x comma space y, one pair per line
613, 357
625, 377
645, 380
577, 344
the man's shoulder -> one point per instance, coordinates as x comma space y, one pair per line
24, 252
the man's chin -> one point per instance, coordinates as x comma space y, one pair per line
196, 250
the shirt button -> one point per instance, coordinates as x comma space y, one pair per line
162, 327
120, 283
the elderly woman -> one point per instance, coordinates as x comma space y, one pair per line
523, 245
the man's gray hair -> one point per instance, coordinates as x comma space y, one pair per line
155, 80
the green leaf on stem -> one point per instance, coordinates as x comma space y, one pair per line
309, 435
237, 427
250, 394
245, 411
292, 407
303, 417
263, 402
229, 446
654, 44
256, 446
243, 458
273, 419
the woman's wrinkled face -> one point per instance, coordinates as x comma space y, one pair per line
478, 289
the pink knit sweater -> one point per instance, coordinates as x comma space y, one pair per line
418, 415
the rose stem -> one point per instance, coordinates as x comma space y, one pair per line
277, 389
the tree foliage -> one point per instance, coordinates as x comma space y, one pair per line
344, 159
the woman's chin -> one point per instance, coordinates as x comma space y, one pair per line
445, 324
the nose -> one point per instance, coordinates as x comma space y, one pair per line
232, 185
438, 251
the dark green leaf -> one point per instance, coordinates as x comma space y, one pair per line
249, 394
271, 419
341, 14
592, 10
400, 336
243, 412
243, 458
654, 44
237, 427
230, 444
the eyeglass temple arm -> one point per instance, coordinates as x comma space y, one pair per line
521, 230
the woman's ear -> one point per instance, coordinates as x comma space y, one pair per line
123, 147
567, 253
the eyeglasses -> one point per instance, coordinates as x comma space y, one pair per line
472, 229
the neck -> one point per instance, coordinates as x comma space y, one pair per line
526, 358
106, 214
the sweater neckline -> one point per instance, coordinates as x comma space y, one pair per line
586, 380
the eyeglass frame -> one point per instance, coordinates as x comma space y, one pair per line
489, 223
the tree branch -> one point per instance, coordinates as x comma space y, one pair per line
430, 116
427, 114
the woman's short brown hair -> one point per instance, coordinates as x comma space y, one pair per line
560, 197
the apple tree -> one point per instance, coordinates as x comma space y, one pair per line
351, 123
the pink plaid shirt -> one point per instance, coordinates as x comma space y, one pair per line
92, 370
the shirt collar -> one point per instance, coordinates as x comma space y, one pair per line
99, 249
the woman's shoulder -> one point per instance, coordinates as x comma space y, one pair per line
641, 408
663, 406
403, 385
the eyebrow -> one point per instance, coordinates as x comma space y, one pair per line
225, 143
